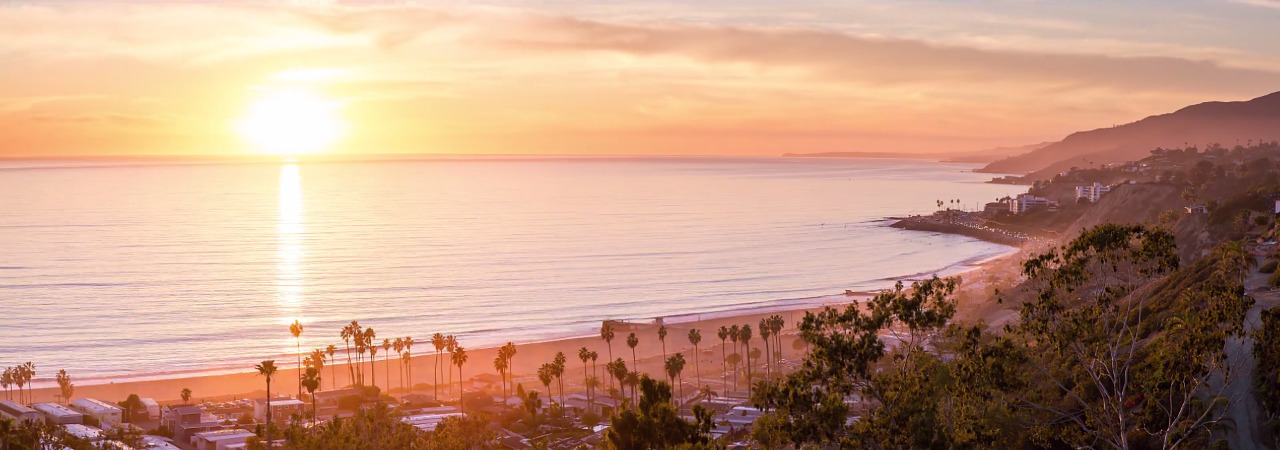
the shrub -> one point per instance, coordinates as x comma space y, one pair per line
1269, 266
1275, 279
350, 402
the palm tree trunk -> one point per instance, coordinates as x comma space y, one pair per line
386, 367
462, 406
299, 343
268, 433
724, 364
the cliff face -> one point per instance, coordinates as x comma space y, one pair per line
1203, 124
1143, 203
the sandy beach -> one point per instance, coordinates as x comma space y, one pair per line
974, 299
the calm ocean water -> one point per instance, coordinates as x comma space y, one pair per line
113, 270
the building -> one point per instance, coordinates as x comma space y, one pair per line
995, 207
281, 409
1197, 209
1092, 192
220, 439
331, 397
153, 408
185, 421
105, 413
1024, 202
88, 433
428, 422
17, 412
55, 414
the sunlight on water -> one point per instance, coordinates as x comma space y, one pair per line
290, 251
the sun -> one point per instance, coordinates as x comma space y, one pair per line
292, 122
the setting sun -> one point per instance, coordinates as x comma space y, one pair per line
291, 122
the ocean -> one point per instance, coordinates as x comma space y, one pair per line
120, 270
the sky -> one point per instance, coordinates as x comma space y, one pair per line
612, 77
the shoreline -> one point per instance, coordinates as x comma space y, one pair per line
232, 383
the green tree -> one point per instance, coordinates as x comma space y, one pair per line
655, 423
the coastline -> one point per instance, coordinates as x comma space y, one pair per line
221, 385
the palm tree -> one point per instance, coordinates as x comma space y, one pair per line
347, 333
369, 336
545, 374
408, 360
267, 369
618, 369
584, 355
437, 341
724, 335
733, 359
746, 341
318, 359
65, 387
386, 361
500, 365
707, 393
662, 337
295, 329
633, 341
633, 380
331, 349
606, 333
311, 381
451, 344
1237, 259
459, 356
398, 345
764, 335
5, 380
675, 366
558, 370
776, 323
735, 334
186, 395
510, 350
695, 337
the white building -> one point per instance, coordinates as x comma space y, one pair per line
1023, 202
17, 412
153, 408
1092, 192
55, 414
281, 409
107, 414
85, 432
428, 422
220, 439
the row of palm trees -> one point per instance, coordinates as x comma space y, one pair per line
19, 376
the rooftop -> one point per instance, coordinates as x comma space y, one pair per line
56, 410
83, 431
96, 406
280, 402
14, 408
218, 435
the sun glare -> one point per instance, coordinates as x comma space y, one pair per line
292, 122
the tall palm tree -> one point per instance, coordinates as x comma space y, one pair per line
5, 380
398, 345
437, 341
295, 329
267, 369
735, 335
331, 349
723, 333
510, 350
451, 344
633, 380
618, 370
675, 367
776, 323
408, 360
386, 361
584, 355
373, 372
459, 357
311, 381
29, 372
348, 332
186, 395
545, 374
606, 333
633, 341
369, 336
662, 337
745, 337
500, 365
764, 335
318, 358
558, 367
695, 337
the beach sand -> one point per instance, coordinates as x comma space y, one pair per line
975, 304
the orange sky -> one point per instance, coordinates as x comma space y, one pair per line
592, 77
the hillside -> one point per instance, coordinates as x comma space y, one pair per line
1202, 124
980, 156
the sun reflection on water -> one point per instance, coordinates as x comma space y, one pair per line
290, 251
